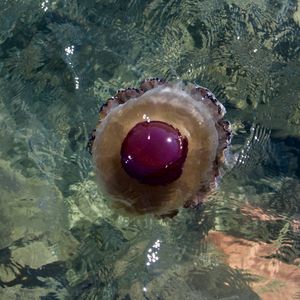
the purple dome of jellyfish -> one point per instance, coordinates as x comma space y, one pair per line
154, 153
159, 147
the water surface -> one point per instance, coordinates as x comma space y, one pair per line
59, 60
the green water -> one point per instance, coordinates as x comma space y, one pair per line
59, 60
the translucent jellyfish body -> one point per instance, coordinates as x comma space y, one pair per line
159, 147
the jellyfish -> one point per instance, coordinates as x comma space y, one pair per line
159, 147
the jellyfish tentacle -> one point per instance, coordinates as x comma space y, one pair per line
204, 95
124, 95
89, 146
107, 107
198, 199
225, 133
224, 136
151, 83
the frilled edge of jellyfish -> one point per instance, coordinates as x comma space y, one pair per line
199, 94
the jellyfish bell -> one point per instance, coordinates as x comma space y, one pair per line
158, 148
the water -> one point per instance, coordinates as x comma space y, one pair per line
59, 60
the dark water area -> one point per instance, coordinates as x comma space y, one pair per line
59, 62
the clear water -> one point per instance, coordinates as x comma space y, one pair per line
59, 60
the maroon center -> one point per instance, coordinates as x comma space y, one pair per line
154, 153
